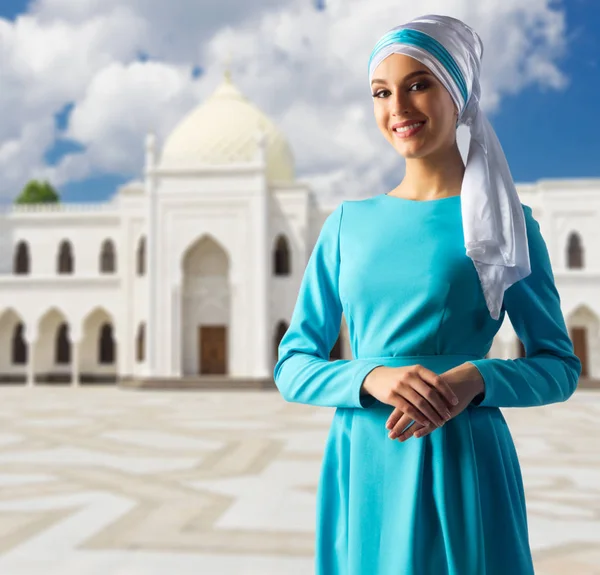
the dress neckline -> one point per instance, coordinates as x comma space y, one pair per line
387, 195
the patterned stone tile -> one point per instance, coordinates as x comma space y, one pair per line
114, 482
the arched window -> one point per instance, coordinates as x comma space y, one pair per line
140, 343
19, 347
282, 327
107, 257
141, 257
574, 252
65, 258
21, 259
281, 257
63, 345
106, 345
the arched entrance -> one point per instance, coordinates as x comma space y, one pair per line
205, 309
13, 348
98, 348
53, 348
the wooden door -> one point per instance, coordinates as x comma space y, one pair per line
212, 348
579, 338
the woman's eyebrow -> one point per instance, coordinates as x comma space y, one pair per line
407, 77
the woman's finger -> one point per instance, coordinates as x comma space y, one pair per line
413, 430
422, 431
401, 426
439, 384
433, 397
393, 418
410, 393
417, 430
402, 405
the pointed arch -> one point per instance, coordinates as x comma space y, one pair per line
19, 346
280, 330
108, 263
106, 344
575, 252
62, 353
282, 257
21, 260
65, 262
206, 307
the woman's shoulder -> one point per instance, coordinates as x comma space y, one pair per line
358, 205
348, 209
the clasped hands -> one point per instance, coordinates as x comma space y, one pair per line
421, 395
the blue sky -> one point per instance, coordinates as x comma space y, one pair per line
545, 133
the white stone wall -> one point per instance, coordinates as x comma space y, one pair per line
214, 241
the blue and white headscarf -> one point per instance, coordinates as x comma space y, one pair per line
493, 219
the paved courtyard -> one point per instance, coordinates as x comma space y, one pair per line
107, 481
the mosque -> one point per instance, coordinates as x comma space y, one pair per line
191, 274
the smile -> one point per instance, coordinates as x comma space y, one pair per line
408, 131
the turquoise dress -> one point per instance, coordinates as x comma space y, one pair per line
452, 502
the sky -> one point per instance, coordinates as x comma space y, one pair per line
81, 83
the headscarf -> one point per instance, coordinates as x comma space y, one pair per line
493, 219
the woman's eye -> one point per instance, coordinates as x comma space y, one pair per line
378, 93
422, 85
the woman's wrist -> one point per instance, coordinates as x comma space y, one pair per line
478, 383
364, 388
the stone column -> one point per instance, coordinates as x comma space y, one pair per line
151, 280
75, 338
261, 232
176, 351
75, 363
31, 337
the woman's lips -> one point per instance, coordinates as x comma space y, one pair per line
408, 133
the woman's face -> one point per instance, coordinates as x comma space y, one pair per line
403, 90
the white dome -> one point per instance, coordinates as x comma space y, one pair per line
223, 130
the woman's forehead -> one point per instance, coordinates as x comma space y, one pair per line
398, 67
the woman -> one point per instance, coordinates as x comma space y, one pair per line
420, 474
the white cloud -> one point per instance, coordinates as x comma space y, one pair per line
121, 104
306, 69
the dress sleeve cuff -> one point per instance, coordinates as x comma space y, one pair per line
362, 401
480, 399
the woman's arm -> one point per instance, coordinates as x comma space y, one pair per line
303, 372
551, 370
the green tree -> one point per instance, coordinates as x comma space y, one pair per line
36, 192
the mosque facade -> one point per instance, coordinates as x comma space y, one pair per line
193, 271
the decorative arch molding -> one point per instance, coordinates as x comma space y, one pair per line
582, 314
204, 292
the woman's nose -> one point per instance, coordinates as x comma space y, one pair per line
400, 103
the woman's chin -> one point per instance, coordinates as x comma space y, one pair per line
411, 150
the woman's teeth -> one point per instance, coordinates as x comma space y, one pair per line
411, 127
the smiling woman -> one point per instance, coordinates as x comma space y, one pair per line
420, 473
412, 101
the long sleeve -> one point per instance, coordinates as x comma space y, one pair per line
550, 371
303, 372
